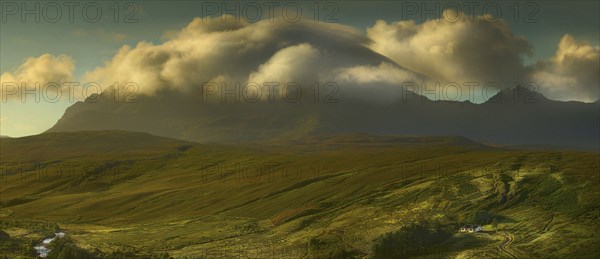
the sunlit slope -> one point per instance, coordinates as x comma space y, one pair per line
316, 197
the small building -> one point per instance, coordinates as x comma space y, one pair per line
471, 228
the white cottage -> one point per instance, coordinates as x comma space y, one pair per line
471, 228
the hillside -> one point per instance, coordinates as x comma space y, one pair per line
86, 145
337, 198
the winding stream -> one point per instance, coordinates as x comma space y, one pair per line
43, 249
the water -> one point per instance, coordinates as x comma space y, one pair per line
42, 249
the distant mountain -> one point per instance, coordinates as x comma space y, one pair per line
3, 136
515, 116
518, 95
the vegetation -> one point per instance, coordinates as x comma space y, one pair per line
128, 195
482, 217
411, 241
64, 248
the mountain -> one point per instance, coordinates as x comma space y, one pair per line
517, 117
517, 95
344, 196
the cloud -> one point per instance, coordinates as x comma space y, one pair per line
572, 73
471, 49
218, 49
48, 71
290, 64
384, 73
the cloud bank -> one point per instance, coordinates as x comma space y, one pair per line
371, 64
454, 51
485, 50
263, 52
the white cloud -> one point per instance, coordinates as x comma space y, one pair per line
384, 73
44, 70
572, 73
291, 64
466, 50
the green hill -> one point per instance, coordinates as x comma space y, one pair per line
58, 146
337, 196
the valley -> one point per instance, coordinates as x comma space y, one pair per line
138, 195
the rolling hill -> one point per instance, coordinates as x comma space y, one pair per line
354, 195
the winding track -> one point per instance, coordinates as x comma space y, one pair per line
507, 240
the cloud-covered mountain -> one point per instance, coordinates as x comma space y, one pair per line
345, 80
515, 116
221, 50
474, 50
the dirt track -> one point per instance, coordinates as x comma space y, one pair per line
508, 239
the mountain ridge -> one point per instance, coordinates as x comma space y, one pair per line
506, 121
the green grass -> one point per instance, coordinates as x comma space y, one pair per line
122, 192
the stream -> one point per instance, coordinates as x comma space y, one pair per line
42, 249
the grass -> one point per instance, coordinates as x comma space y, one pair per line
137, 194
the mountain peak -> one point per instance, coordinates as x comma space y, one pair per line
518, 94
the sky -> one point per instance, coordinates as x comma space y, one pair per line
551, 42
